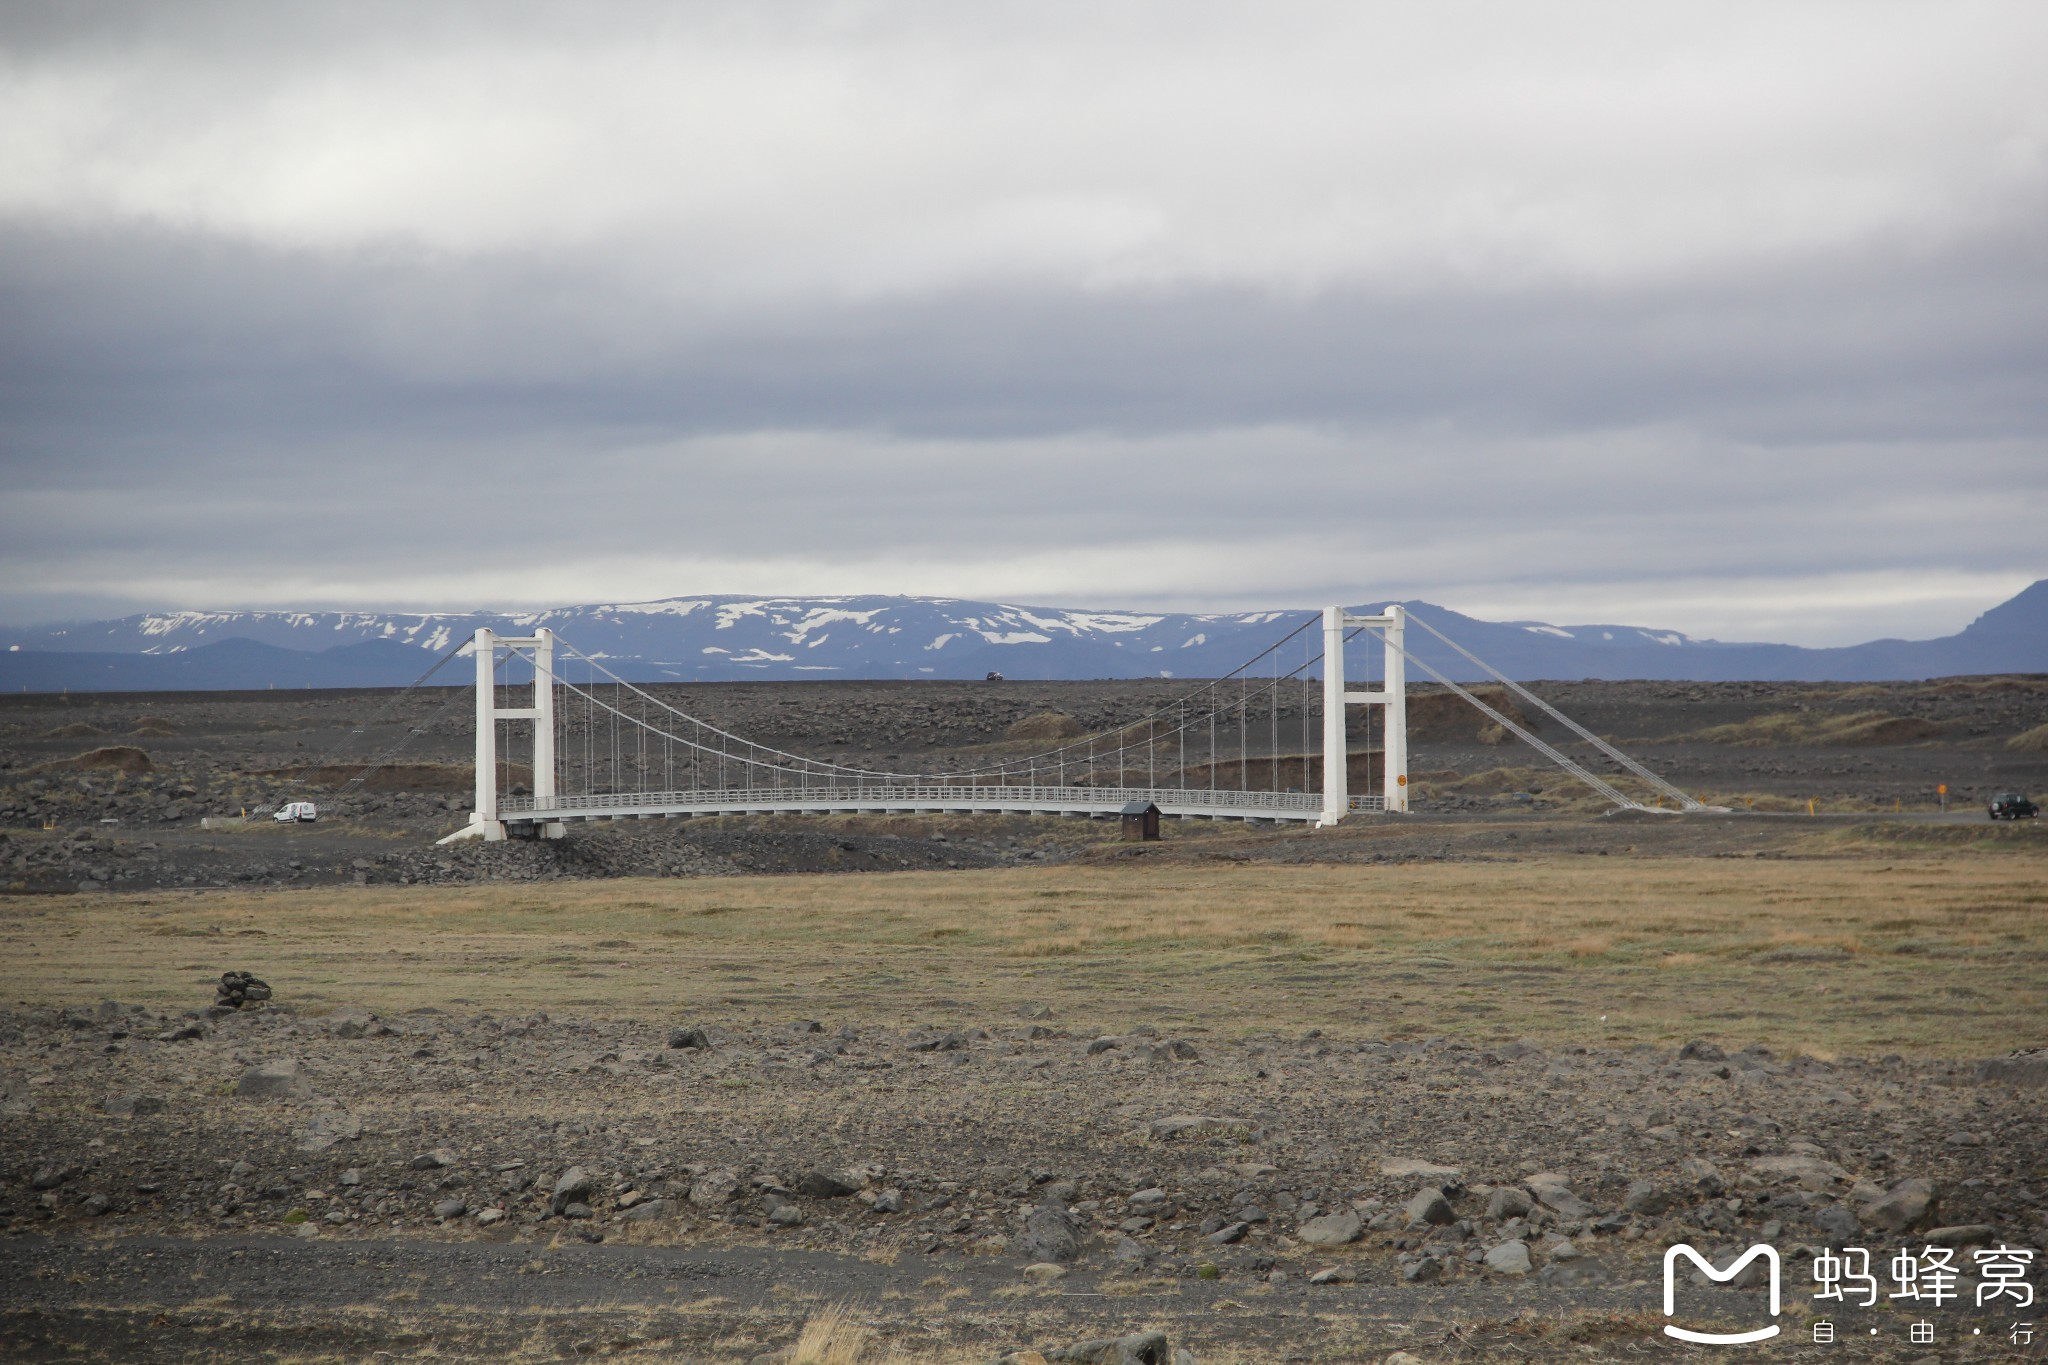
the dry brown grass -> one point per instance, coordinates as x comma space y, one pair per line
121, 758
1046, 725
1861, 728
1547, 788
2034, 741
834, 1335
831, 1337
1821, 802
1916, 950
1984, 686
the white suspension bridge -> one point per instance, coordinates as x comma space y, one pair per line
1271, 741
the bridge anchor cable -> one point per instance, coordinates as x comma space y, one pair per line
1562, 760
1685, 800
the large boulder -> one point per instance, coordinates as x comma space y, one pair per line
1555, 1193
1904, 1207
1047, 1236
1509, 1258
820, 1185
1703, 1176
1508, 1202
574, 1187
650, 1211
1430, 1208
1332, 1229
1838, 1225
714, 1189
1647, 1197
1139, 1348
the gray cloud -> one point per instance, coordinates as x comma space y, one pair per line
1679, 324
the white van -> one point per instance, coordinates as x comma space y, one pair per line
294, 811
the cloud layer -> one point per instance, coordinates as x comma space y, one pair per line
1722, 318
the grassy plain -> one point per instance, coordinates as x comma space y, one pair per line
1920, 952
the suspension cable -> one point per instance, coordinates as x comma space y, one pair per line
821, 768
1576, 770
1686, 801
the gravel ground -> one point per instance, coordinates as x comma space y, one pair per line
1146, 1164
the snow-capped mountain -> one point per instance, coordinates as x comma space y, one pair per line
725, 638
689, 638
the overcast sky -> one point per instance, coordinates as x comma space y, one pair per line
1725, 318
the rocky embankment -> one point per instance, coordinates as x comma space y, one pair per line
101, 859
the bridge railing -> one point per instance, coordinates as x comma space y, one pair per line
938, 795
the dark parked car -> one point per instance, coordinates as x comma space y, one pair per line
2012, 806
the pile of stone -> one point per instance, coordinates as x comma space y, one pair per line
237, 989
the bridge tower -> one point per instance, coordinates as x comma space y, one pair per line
484, 819
1391, 697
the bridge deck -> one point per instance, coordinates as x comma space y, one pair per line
1076, 801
